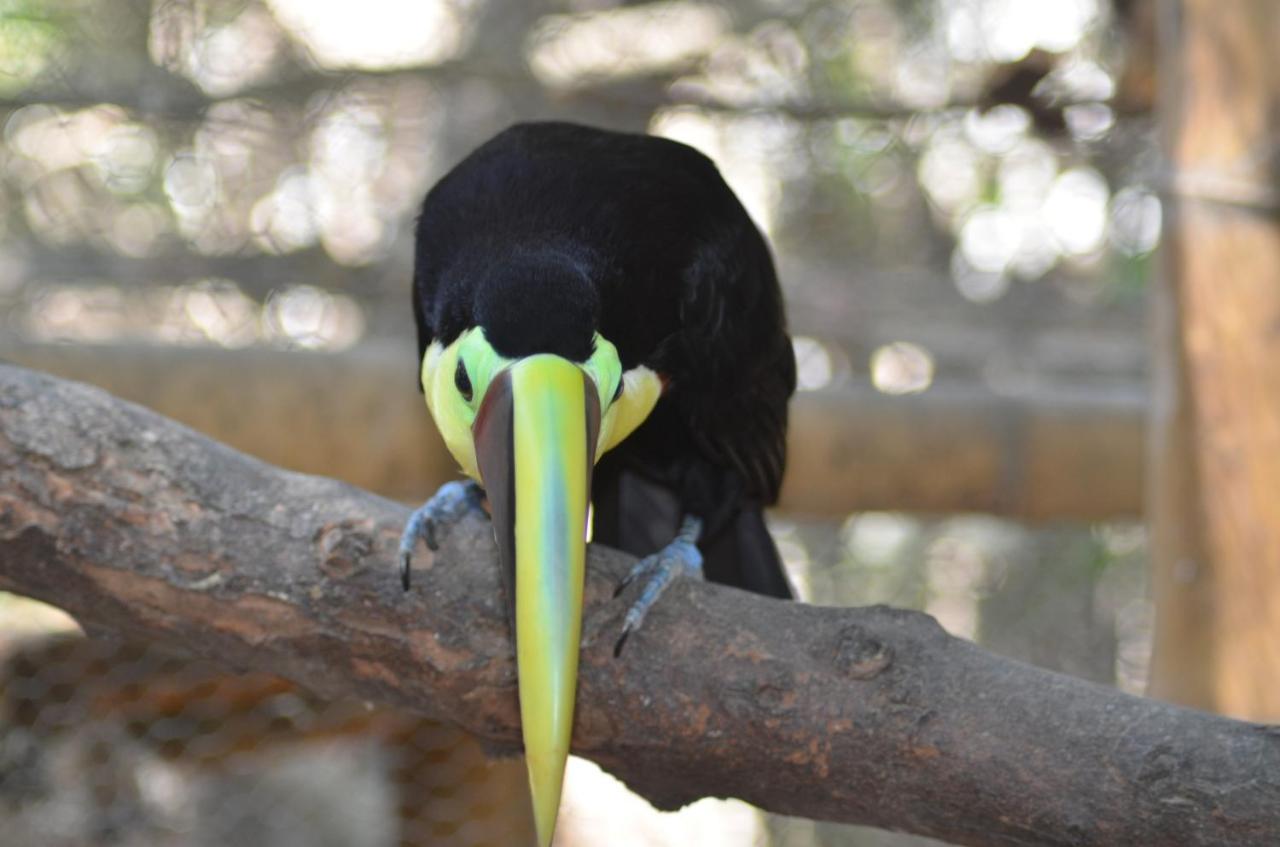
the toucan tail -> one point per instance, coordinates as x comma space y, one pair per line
639, 516
743, 554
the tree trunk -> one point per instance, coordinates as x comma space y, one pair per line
1214, 489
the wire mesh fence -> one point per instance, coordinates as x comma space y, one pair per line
107, 742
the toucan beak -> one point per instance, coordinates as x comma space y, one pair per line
535, 437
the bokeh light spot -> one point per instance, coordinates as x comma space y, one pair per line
191, 183
375, 34
1075, 210
813, 364
901, 368
568, 50
309, 317
1135, 220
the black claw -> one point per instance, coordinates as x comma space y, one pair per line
621, 586
622, 639
405, 559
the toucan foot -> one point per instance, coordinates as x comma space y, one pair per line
428, 522
679, 558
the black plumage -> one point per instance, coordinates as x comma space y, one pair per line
550, 232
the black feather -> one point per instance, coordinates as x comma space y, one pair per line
549, 232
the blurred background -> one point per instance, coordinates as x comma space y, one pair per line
206, 206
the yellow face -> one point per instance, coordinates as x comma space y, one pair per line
536, 467
454, 409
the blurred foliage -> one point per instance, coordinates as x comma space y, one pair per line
962, 154
30, 35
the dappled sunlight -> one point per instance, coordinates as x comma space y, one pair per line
191, 184
210, 312
55, 139
949, 171
219, 311
1025, 174
1075, 210
212, 184
996, 130
285, 220
1135, 221
998, 239
126, 158
221, 58
901, 368
768, 65
1089, 121
1006, 585
878, 538
311, 318
341, 165
923, 77
978, 285
955, 569
750, 151
138, 229
814, 368
1007, 30
1040, 217
348, 152
568, 50
376, 34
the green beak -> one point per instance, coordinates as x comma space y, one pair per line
535, 436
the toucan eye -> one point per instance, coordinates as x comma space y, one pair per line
462, 381
618, 391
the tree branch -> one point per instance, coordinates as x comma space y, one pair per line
871, 716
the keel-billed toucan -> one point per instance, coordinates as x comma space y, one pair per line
599, 321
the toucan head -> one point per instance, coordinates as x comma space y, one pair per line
529, 426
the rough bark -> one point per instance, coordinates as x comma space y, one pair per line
1215, 487
871, 716
1039, 456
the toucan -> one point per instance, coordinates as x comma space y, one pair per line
601, 337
